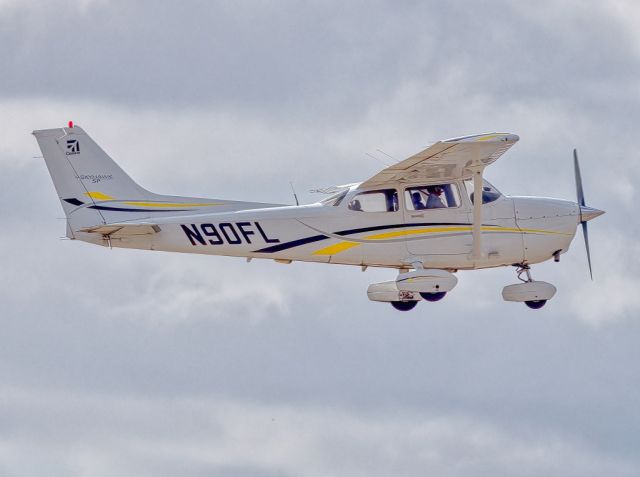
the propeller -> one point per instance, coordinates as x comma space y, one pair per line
586, 213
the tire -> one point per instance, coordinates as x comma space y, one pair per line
437, 296
535, 304
404, 305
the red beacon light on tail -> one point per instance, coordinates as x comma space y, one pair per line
70, 124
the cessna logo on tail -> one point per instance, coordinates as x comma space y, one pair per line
73, 147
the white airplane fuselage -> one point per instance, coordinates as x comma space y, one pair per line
515, 230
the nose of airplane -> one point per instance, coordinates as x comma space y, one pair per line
589, 213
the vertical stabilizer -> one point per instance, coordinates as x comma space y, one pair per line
94, 190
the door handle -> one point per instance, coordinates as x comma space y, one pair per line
415, 216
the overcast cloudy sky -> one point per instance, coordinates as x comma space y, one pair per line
150, 364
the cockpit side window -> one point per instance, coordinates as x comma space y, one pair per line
375, 201
436, 196
489, 193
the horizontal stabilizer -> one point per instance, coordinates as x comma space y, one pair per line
123, 230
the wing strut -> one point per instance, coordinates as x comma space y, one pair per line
477, 210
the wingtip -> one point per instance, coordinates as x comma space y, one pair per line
486, 137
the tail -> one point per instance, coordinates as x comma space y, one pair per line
94, 190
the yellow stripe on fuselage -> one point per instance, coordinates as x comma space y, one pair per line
343, 246
336, 248
433, 230
404, 233
537, 231
101, 196
170, 204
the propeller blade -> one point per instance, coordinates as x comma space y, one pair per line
586, 213
586, 245
576, 168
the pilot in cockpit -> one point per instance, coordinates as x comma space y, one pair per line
416, 198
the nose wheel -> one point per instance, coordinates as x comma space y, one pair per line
532, 293
526, 270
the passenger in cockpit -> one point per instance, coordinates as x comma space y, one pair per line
434, 201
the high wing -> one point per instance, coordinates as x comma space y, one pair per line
446, 160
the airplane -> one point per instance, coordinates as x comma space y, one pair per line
418, 216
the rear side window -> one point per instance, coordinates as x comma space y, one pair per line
375, 201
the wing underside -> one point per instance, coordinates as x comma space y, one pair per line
446, 160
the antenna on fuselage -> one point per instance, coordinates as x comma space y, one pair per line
294, 193
377, 159
388, 155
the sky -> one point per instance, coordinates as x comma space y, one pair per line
124, 362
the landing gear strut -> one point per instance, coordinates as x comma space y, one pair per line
526, 269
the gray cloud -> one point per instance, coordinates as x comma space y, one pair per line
210, 436
321, 59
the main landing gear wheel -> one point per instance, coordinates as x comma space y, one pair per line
436, 296
404, 305
535, 304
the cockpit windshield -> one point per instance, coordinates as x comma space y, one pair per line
489, 193
335, 199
